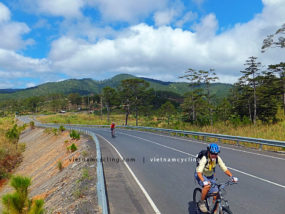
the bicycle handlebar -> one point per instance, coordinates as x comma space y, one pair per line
223, 185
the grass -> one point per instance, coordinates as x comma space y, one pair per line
10, 153
264, 131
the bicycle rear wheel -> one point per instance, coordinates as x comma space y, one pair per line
226, 210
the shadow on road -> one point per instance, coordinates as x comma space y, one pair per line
192, 209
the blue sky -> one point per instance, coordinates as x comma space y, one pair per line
43, 41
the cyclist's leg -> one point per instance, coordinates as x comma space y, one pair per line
205, 189
214, 190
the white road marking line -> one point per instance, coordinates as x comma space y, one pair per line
278, 158
262, 179
136, 179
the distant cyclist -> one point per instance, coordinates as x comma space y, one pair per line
205, 173
112, 129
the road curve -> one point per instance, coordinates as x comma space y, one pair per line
261, 187
170, 184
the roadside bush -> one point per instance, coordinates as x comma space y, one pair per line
75, 135
22, 147
13, 134
61, 128
32, 124
59, 165
18, 202
72, 148
48, 130
55, 131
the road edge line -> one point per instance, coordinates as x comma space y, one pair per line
156, 210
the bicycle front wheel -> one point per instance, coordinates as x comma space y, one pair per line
226, 210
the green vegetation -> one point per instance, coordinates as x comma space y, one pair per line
85, 174
80, 185
10, 151
61, 128
32, 124
234, 126
13, 134
59, 165
19, 202
89, 86
55, 131
254, 106
74, 135
72, 148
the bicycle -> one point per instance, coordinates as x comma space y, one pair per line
220, 201
113, 133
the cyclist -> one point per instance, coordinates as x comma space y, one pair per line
205, 173
112, 129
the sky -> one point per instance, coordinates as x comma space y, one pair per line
53, 40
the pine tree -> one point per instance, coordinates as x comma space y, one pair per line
251, 73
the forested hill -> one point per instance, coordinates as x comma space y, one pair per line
87, 86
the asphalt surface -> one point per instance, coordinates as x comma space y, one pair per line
261, 187
170, 185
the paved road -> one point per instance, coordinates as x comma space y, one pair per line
170, 185
261, 189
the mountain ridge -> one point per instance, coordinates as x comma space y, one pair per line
88, 86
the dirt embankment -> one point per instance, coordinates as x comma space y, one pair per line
70, 190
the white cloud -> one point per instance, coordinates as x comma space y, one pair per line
86, 29
4, 13
64, 8
272, 2
207, 28
188, 17
42, 23
169, 52
198, 2
157, 52
11, 32
11, 35
128, 10
13, 62
30, 84
6, 84
165, 17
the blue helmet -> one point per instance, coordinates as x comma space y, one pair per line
213, 148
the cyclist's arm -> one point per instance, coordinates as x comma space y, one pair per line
223, 167
201, 167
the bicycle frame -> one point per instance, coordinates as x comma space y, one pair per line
220, 200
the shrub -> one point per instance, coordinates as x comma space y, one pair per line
85, 174
48, 130
84, 153
32, 124
73, 148
13, 134
22, 147
61, 128
75, 135
55, 131
59, 165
